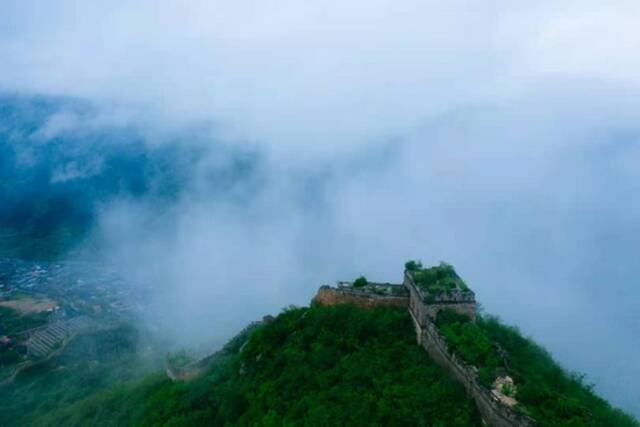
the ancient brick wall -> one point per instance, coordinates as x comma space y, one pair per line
467, 309
330, 296
492, 410
460, 301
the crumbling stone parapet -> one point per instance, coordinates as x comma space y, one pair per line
330, 296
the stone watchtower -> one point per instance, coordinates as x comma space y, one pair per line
426, 292
434, 289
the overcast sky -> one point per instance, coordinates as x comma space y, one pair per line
500, 136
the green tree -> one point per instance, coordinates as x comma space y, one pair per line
413, 265
360, 282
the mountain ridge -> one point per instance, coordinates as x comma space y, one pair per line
353, 362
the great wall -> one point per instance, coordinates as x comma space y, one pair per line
424, 308
374, 294
495, 408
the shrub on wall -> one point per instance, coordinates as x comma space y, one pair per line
360, 282
413, 265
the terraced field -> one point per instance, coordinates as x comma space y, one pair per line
48, 338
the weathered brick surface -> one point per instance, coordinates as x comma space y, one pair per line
461, 301
331, 296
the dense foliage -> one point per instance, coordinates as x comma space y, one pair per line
337, 365
317, 366
437, 279
91, 362
12, 322
468, 340
360, 282
546, 392
553, 396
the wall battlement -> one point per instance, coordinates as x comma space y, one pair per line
426, 306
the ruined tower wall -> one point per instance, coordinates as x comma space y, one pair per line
492, 410
462, 302
330, 296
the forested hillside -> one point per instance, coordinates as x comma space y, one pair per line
334, 365
61, 162
341, 365
545, 391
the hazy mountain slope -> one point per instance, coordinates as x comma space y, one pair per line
62, 160
90, 362
338, 365
312, 366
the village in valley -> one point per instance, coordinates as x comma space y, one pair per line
43, 305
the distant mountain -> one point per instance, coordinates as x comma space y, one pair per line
60, 161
